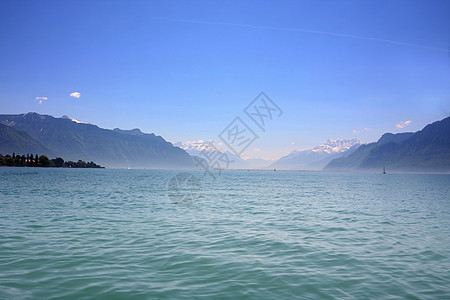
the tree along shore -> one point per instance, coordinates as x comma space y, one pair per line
42, 161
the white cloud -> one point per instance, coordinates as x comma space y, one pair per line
356, 131
75, 95
41, 99
403, 124
292, 143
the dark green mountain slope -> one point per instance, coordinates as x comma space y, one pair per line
425, 150
12, 140
355, 159
112, 148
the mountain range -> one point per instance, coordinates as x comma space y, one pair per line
73, 140
424, 150
201, 148
318, 157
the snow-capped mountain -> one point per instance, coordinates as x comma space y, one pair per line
318, 157
204, 149
198, 146
73, 120
335, 146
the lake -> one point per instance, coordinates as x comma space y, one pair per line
113, 234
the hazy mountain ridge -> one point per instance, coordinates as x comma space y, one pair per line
135, 131
72, 139
424, 150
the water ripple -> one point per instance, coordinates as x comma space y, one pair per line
256, 235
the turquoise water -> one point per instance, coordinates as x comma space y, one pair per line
115, 234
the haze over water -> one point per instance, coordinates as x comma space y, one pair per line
67, 233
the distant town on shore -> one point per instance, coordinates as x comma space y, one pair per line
30, 160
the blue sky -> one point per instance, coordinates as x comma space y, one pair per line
185, 69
